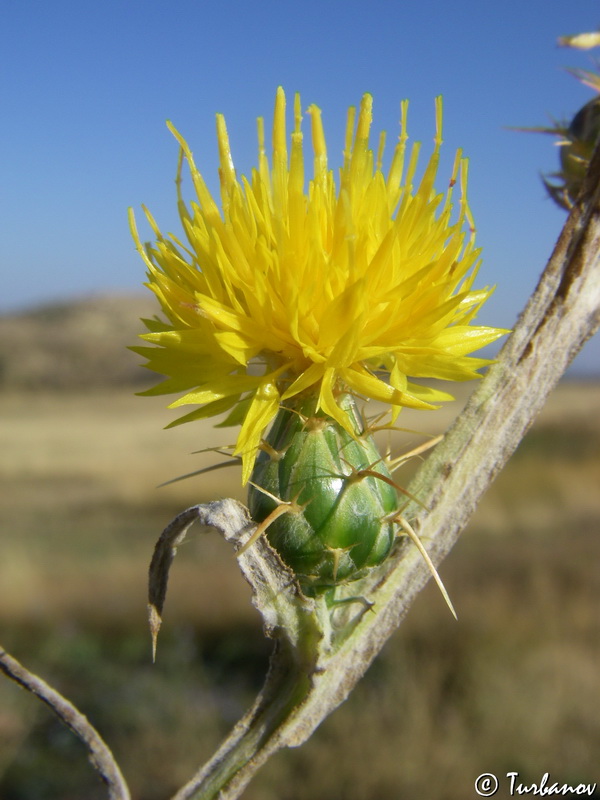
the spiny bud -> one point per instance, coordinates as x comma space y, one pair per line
343, 498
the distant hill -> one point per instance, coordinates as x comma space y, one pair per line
80, 344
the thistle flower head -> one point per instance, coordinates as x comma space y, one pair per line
321, 287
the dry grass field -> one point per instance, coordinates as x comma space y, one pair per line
513, 685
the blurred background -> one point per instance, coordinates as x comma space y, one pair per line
85, 91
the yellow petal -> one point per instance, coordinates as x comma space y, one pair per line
294, 283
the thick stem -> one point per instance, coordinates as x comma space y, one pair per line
232, 766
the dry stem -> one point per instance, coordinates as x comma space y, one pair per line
100, 755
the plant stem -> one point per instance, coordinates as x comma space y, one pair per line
101, 757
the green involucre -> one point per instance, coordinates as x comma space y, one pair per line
346, 525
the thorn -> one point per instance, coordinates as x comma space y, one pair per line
284, 507
219, 449
336, 554
409, 530
363, 473
274, 455
264, 491
202, 471
155, 621
416, 451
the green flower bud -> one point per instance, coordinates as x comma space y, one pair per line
340, 520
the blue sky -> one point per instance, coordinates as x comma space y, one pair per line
86, 87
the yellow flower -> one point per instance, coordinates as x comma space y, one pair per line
285, 290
